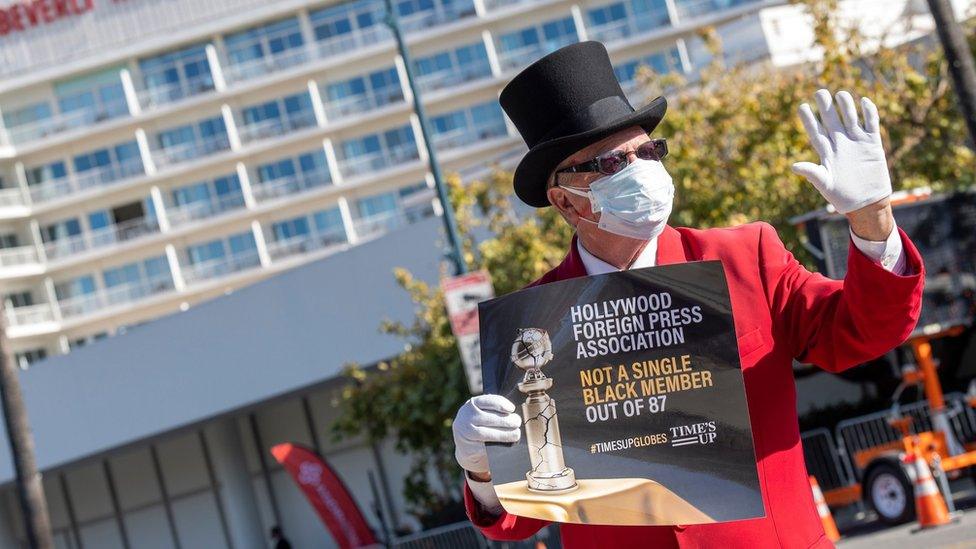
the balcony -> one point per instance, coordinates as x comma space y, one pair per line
466, 136
30, 315
499, 4
696, 8
11, 198
357, 104
291, 184
222, 266
302, 244
80, 181
377, 225
273, 127
438, 16
268, 64
520, 57
353, 41
106, 236
454, 76
157, 96
629, 26
86, 304
377, 161
204, 209
15, 257
64, 122
191, 150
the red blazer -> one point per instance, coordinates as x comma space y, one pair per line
781, 311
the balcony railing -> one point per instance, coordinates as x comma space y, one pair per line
520, 57
695, 8
273, 127
156, 96
267, 64
63, 122
70, 184
377, 161
291, 184
184, 152
438, 16
306, 243
203, 209
498, 4
119, 232
11, 198
21, 255
629, 26
466, 136
33, 314
85, 304
353, 41
454, 76
377, 225
357, 104
222, 266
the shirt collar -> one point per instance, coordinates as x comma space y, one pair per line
595, 266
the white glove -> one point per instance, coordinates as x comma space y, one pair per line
852, 172
484, 418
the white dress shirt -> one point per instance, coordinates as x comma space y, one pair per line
889, 253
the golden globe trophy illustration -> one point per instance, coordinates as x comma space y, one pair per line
531, 351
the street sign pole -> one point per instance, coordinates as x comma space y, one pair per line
450, 224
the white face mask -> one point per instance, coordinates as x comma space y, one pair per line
634, 202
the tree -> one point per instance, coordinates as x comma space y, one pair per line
733, 134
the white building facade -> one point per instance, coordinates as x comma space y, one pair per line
155, 154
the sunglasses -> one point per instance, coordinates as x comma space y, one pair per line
613, 161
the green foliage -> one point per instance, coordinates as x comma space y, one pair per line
733, 135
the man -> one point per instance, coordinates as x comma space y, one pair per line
279, 539
591, 158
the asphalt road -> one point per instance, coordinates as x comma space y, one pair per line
865, 534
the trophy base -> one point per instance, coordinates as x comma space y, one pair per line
552, 483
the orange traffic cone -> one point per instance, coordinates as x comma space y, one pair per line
829, 526
929, 505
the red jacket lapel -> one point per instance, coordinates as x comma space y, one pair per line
670, 248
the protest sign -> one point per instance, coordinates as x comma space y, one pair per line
631, 397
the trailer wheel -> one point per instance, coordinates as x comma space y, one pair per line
890, 493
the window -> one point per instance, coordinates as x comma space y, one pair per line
283, 230
26, 358
349, 24
192, 141
150, 275
606, 14
661, 62
92, 98
9, 240
242, 244
27, 123
61, 230
329, 222
208, 251
109, 164
270, 41
380, 204
276, 170
19, 299
80, 286
175, 75
47, 172
363, 93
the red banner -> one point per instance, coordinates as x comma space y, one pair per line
327, 494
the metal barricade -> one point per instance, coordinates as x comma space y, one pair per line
872, 430
824, 460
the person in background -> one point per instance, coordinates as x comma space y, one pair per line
279, 539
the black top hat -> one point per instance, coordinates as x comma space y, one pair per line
564, 102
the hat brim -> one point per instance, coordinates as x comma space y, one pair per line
533, 170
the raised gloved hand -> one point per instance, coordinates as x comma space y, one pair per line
484, 418
852, 172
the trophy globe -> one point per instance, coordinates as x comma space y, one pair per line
531, 351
